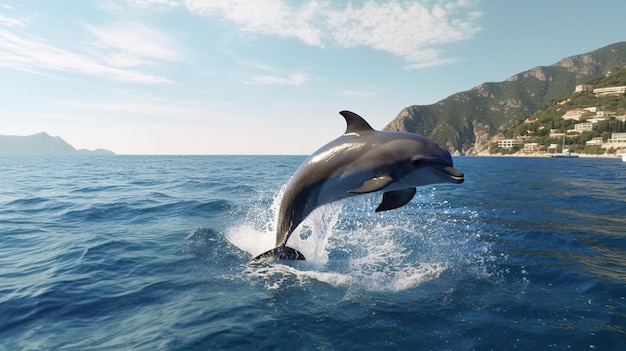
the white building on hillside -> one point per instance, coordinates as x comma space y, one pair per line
555, 133
510, 143
577, 114
583, 127
595, 142
531, 147
619, 90
605, 113
617, 139
596, 119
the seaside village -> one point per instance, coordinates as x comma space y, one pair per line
588, 117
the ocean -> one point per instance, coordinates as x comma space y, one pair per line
152, 253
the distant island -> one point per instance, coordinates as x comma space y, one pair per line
42, 144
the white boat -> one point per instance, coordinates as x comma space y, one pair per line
565, 153
624, 157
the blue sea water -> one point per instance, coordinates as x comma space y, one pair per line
152, 252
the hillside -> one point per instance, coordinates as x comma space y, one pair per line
586, 119
42, 144
466, 121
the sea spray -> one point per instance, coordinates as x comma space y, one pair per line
347, 243
256, 233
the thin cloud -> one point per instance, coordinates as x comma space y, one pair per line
12, 21
293, 79
114, 52
412, 30
148, 107
358, 93
147, 3
274, 17
134, 41
28, 53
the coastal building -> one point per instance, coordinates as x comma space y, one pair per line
510, 143
596, 119
583, 88
618, 90
577, 114
605, 113
583, 127
594, 142
555, 133
531, 147
617, 139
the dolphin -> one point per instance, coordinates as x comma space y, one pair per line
361, 161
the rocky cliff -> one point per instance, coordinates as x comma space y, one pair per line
465, 122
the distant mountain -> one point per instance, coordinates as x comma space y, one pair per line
466, 121
42, 144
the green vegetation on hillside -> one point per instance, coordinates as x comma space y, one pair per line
467, 120
536, 128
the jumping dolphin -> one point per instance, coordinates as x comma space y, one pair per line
362, 160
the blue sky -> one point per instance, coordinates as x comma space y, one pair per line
264, 76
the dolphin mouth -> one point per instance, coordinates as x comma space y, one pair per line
454, 174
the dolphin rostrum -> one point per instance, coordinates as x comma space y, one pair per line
362, 160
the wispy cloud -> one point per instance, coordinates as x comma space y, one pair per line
148, 107
28, 53
358, 93
12, 21
292, 79
117, 51
274, 17
146, 3
412, 30
132, 44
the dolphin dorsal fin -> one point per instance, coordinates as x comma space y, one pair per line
355, 123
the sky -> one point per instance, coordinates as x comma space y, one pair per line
264, 76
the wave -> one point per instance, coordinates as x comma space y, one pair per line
146, 210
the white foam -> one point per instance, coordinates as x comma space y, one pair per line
276, 274
369, 255
311, 237
257, 235
411, 277
250, 239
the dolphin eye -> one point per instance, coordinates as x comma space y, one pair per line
416, 162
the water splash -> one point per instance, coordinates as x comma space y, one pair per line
347, 244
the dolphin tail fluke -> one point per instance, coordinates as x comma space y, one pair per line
279, 253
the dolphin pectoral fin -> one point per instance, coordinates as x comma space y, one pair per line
395, 199
279, 253
373, 185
